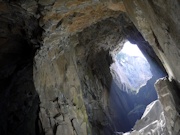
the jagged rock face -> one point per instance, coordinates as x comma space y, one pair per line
158, 22
77, 80
150, 123
62, 109
167, 91
167, 119
71, 69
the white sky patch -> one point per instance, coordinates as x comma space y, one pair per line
133, 70
131, 49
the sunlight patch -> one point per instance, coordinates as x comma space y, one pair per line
131, 50
131, 70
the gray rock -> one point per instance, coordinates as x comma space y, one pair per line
46, 2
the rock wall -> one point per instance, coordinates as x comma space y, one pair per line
73, 80
167, 118
158, 22
19, 101
56, 70
169, 99
61, 20
62, 109
71, 68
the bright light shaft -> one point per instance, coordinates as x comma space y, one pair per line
131, 49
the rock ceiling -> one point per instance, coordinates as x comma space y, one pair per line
54, 62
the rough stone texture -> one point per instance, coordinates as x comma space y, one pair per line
55, 68
169, 99
158, 22
161, 116
63, 18
60, 93
72, 74
71, 68
150, 123
95, 86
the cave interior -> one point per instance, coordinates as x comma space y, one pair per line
61, 73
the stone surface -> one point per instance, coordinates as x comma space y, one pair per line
169, 98
150, 123
71, 68
75, 82
161, 116
158, 23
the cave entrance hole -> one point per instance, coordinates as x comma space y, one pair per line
131, 68
132, 87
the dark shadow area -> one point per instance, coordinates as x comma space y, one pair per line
19, 101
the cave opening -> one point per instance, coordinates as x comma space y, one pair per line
132, 68
118, 108
132, 88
